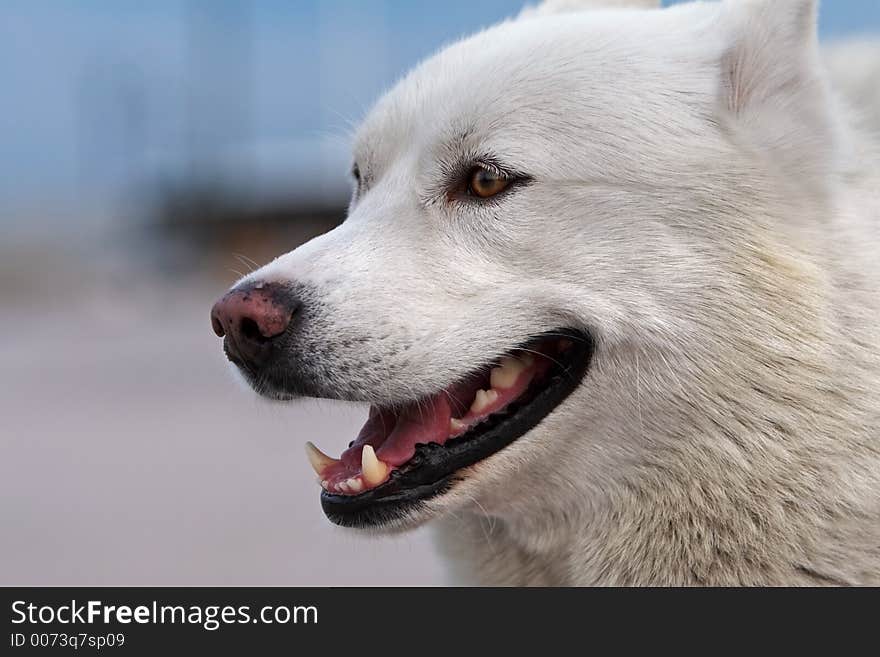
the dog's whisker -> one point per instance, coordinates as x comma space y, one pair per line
235, 271
247, 262
542, 355
569, 336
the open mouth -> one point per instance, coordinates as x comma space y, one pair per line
405, 455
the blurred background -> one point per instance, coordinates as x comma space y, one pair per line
150, 153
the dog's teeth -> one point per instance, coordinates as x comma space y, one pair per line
355, 485
373, 470
482, 401
456, 425
342, 487
318, 459
325, 484
505, 376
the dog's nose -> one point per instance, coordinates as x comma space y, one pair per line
250, 319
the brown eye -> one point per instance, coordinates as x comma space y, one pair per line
485, 183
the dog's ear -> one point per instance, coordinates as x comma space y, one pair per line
772, 82
565, 6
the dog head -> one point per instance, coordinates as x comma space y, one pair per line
564, 233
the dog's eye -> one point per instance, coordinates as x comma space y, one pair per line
484, 183
356, 173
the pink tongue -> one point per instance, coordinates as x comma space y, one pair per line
426, 422
378, 426
394, 436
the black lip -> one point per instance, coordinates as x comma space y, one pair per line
432, 470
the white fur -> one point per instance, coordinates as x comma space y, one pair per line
700, 204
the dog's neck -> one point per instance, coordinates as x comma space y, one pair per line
664, 542
722, 509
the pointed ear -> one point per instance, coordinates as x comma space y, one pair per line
772, 82
567, 6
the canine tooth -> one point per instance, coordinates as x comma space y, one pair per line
342, 487
505, 376
456, 425
373, 470
482, 400
355, 484
317, 458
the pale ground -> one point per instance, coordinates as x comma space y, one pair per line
131, 456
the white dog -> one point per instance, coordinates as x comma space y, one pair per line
610, 283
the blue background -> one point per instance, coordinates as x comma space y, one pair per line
105, 96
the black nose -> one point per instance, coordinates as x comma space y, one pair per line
250, 319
